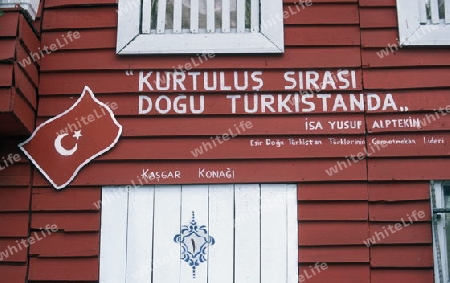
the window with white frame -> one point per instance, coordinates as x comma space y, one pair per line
30, 6
199, 233
424, 22
200, 26
440, 198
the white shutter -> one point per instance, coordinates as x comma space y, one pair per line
113, 248
139, 231
221, 220
247, 236
166, 254
199, 234
273, 229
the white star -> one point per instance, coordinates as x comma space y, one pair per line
77, 134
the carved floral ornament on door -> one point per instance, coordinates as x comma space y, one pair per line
195, 241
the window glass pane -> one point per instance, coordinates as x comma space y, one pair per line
427, 3
248, 15
154, 13
202, 15
169, 15
441, 9
233, 16
185, 16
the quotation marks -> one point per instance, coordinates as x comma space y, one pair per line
404, 109
129, 73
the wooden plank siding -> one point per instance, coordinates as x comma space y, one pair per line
337, 213
18, 74
15, 199
408, 72
18, 105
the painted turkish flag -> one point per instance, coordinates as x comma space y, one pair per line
61, 146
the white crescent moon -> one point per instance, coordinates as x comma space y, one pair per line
60, 149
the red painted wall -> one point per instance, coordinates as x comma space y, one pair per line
336, 213
18, 105
18, 83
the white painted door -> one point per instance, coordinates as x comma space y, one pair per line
199, 233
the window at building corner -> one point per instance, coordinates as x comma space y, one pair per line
440, 197
29, 6
199, 26
199, 233
424, 22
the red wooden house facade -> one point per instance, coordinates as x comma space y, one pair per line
354, 121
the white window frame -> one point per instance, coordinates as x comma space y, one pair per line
31, 6
439, 235
412, 33
255, 230
269, 39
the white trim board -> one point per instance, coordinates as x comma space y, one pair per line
415, 30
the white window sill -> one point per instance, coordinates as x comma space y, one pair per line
31, 6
